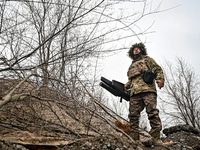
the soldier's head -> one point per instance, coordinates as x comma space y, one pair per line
136, 50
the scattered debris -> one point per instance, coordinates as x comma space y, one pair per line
47, 120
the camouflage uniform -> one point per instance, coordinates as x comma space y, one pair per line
137, 104
142, 94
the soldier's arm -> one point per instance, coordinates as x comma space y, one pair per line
155, 67
127, 85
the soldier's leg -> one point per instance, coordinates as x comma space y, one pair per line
136, 105
150, 101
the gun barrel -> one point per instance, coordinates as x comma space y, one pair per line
110, 89
116, 88
118, 85
106, 81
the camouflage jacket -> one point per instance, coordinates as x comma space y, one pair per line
137, 85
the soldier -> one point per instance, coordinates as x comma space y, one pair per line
143, 94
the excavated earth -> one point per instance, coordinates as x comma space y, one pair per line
35, 124
182, 137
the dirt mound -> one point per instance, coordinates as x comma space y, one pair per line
182, 140
49, 119
184, 136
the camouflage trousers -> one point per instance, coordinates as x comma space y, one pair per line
137, 104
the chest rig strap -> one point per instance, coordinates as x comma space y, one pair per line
137, 68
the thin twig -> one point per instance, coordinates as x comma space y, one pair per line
98, 103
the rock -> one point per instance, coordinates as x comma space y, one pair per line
184, 139
108, 145
178, 128
88, 144
124, 147
104, 147
148, 142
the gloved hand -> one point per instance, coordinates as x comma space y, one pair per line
160, 85
125, 88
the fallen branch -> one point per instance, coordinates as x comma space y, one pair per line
117, 129
9, 96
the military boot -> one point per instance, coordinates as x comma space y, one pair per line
156, 136
135, 136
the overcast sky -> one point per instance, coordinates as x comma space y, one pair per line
177, 33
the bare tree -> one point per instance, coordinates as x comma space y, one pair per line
181, 102
64, 39
55, 34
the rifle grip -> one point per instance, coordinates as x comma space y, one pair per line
120, 99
